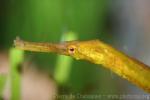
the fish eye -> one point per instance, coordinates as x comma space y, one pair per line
72, 49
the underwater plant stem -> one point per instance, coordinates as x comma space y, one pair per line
16, 58
64, 63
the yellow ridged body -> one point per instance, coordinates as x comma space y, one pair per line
97, 52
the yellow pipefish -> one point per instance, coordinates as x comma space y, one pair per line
97, 52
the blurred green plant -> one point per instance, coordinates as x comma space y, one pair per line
64, 63
2, 83
16, 58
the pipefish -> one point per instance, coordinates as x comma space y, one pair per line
96, 52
